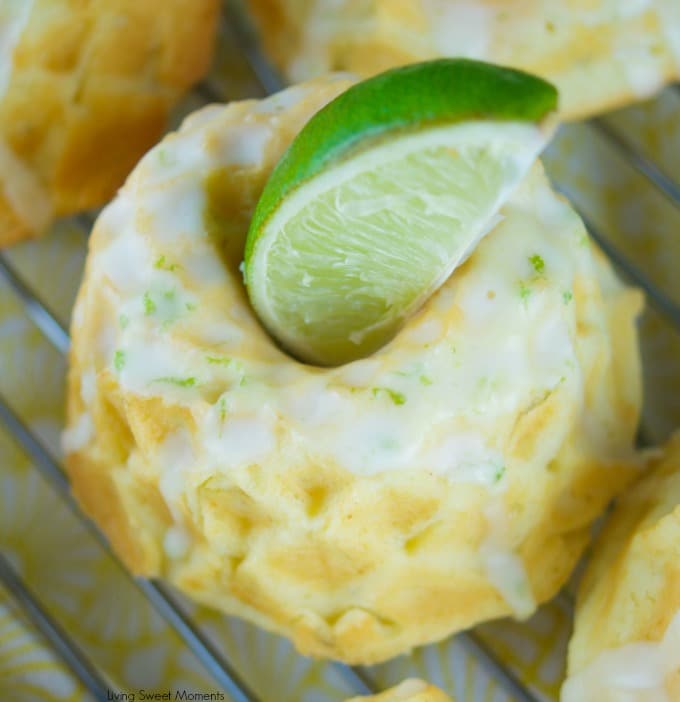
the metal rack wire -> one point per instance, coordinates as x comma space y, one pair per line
220, 668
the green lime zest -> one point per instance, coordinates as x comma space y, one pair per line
178, 382
149, 304
162, 264
119, 360
164, 157
219, 360
222, 408
537, 263
524, 291
397, 398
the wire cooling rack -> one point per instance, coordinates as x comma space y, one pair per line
223, 671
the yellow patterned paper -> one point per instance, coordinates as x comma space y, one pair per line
100, 607
641, 221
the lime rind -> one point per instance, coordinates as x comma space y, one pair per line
383, 193
443, 91
380, 277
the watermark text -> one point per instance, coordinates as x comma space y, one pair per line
142, 695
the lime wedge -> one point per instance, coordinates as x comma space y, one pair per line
382, 195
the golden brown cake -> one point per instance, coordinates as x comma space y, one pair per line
626, 642
599, 53
409, 691
364, 509
85, 90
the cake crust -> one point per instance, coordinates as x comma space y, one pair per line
628, 608
600, 55
86, 89
411, 690
305, 499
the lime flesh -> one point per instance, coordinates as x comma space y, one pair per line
382, 195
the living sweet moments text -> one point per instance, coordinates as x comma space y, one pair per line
142, 695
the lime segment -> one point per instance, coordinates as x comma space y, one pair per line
382, 194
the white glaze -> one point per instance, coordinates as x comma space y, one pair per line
467, 459
14, 15
88, 386
79, 434
669, 14
245, 146
28, 196
506, 572
240, 441
439, 399
634, 672
459, 28
176, 542
177, 457
503, 567
370, 415
327, 19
